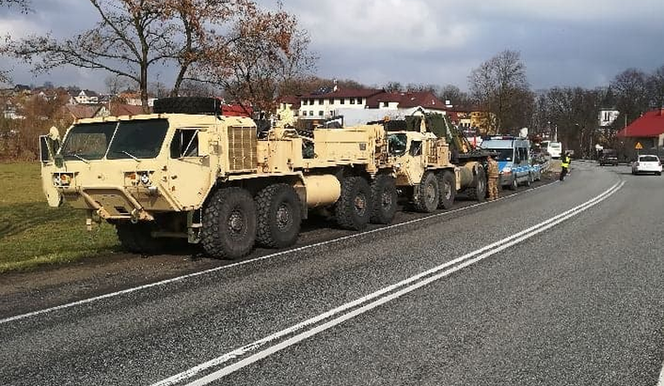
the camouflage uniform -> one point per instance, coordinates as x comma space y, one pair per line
492, 171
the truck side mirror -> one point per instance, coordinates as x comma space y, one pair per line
44, 151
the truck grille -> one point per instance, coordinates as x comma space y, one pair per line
242, 147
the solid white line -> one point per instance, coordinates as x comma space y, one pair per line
257, 344
318, 329
245, 262
661, 377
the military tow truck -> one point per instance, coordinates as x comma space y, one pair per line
188, 172
433, 161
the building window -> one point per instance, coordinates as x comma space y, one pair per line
311, 113
321, 113
321, 102
331, 101
342, 101
304, 113
359, 101
352, 101
386, 104
311, 102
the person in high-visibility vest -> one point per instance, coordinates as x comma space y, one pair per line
566, 160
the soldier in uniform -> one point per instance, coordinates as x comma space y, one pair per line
492, 171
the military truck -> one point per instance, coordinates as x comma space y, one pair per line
433, 162
188, 172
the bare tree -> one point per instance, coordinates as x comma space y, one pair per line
131, 37
230, 42
23, 5
574, 112
631, 90
262, 51
656, 88
500, 86
115, 84
393, 86
454, 94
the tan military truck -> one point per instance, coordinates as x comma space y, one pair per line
186, 172
430, 171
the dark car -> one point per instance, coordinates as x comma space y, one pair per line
608, 158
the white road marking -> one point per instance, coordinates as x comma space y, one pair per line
419, 281
245, 262
661, 377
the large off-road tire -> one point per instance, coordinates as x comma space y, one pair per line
229, 224
353, 209
447, 187
427, 193
279, 216
384, 199
137, 238
479, 191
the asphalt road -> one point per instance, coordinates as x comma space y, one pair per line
561, 285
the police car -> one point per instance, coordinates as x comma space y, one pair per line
514, 162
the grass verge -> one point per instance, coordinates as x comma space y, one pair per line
33, 234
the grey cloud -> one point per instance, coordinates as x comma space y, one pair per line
562, 42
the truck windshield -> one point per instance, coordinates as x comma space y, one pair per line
88, 141
138, 139
397, 144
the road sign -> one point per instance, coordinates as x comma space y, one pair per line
638, 146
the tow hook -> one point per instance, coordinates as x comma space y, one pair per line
135, 216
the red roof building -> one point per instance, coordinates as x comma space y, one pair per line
648, 130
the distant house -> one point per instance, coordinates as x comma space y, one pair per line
82, 112
82, 97
408, 100
125, 109
10, 111
288, 110
648, 131
324, 103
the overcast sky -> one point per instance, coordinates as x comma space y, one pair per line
562, 42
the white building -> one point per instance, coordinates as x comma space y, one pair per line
325, 103
607, 117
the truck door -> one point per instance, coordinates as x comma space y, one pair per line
190, 172
521, 164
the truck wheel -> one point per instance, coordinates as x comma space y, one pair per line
136, 238
427, 194
529, 180
384, 198
478, 193
279, 216
229, 224
447, 186
353, 210
514, 185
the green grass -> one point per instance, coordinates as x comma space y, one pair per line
34, 234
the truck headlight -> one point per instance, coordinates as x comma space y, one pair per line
62, 179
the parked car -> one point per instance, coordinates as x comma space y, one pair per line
647, 164
608, 157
